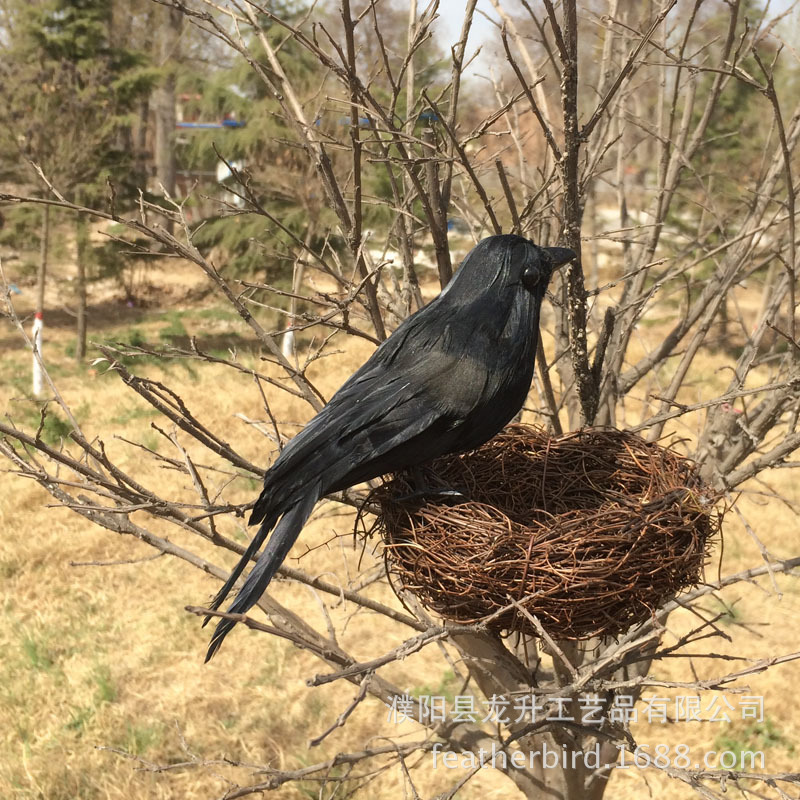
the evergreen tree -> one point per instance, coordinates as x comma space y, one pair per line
68, 94
275, 167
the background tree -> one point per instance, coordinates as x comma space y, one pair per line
69, 90
260, 149
168, 28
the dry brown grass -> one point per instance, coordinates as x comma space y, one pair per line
107, 657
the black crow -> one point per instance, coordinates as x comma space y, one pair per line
446, 381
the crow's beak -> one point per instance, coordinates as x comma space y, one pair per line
560, 255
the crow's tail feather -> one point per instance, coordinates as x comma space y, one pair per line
252, 549
278, 547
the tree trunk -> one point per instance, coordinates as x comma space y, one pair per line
142, 157
164, 103
43, 253
288, 345
81, 247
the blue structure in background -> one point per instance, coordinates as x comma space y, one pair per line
226, 123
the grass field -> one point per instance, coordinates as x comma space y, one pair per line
104, 690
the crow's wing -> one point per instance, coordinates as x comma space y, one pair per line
422, 386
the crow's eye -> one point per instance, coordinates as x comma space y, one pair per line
530, 277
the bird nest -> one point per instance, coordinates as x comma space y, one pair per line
578, 535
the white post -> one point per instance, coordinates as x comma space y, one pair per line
288, 339
36, 337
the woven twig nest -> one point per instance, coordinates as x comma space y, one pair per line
588, 532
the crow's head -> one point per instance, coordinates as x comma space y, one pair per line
501, 263
537, 263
